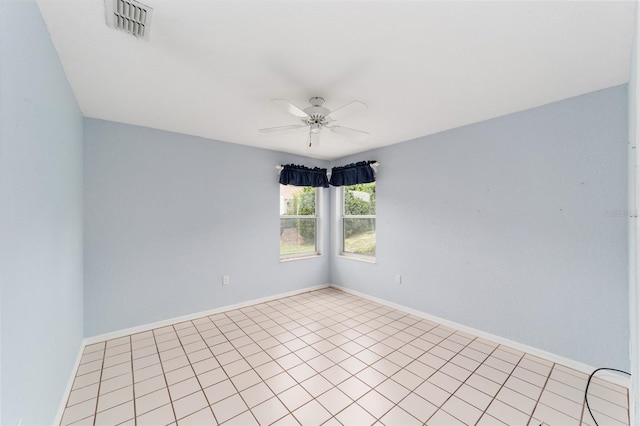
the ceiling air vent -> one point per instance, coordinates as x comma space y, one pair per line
129, 16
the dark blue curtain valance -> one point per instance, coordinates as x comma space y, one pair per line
292, 174
351, 174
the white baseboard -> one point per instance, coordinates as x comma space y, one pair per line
67, 392
164, 323
568, 362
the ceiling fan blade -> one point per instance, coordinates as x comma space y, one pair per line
347, 110
358, 135
282, 128
290, 108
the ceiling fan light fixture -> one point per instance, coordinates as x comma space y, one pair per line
315, 128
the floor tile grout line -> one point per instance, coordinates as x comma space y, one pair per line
67, 406
427, 379
297, 350
440, 407
84, 374
600, 413
164, 376
562, 397
276, 395
626, 397
289, 412
628, 410
382, 357
271, 357
542, 391
583, 407
104, 356
316, 372
133, 387
459, 352
253, 368
502, 386
568, 384
194, 375
334, 416
226, 374
527, 382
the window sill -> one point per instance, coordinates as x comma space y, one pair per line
289, 259
371, 260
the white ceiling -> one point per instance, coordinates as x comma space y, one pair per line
211, 67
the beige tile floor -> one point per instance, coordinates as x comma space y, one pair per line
327, 357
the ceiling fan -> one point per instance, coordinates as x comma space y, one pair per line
316, 117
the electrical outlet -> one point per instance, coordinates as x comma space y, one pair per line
225, 279
398, 279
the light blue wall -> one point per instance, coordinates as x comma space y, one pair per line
40, 219
167, 215
503, 226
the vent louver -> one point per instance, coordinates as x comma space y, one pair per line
129, 16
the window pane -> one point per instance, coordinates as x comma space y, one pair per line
360, 236
360, 199
297, 200
297, 236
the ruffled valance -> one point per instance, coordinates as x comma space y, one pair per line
352, 174
295, 175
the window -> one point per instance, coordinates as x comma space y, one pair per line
299, 221
359, 220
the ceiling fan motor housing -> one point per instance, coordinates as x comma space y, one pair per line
317, 114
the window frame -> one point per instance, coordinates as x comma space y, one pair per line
341, 223
317, 237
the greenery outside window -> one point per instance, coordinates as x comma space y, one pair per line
299, 228
359, 220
